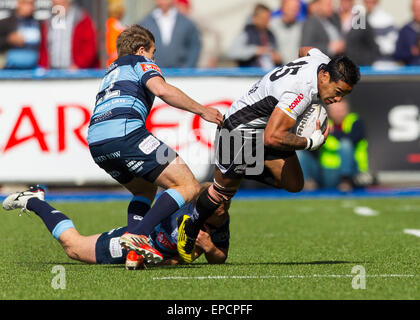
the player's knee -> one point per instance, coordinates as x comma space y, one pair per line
191, 191
71, 250
295, 186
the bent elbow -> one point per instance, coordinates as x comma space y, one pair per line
161, 92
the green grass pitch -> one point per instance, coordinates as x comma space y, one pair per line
282, 249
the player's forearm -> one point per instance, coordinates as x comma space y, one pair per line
286, 141
178, 99
215, 256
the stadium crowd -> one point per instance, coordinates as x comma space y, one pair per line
71, 39
269, 38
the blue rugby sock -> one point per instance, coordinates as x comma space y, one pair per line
137, 209
55, 221
168, 203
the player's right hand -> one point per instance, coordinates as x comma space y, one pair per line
212, 115
317, 138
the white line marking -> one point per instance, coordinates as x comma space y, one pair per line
413, 232
286, 277
365, 211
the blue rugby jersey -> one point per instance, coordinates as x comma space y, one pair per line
165, 236
123, 102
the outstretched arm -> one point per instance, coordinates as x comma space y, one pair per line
178, 99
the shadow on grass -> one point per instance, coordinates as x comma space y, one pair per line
199, 264
295, 263
151, 267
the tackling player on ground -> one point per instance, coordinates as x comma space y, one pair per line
121, 145
269, 111
105, 248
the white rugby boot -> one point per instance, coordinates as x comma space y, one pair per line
19, 200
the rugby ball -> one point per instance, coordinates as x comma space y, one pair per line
306, 122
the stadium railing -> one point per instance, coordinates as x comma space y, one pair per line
39, 74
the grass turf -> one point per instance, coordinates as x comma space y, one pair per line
285, 249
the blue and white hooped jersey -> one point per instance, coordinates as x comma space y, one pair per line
123, 102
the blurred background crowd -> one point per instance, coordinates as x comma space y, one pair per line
71, 34
81, 34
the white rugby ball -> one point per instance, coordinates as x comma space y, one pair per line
306, 122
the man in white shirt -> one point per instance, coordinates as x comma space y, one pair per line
178, 43
262, 120
288, 30
383, 25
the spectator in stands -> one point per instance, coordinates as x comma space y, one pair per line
116, 12
344, 155
256, 45
358, 34
322, 29
210, 36
287, 30
301, 15
407, 50
312, 8
385, 32
178, 42
20, 37
69, 38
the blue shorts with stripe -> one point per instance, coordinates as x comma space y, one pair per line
108, 249
138, 154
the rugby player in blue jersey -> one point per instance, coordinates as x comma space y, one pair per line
105, 248
121, 145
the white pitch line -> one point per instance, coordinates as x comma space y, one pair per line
413, 232
365, 211
286, 277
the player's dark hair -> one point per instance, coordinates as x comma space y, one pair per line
132, 39
343, 68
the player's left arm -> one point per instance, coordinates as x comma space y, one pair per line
213, 254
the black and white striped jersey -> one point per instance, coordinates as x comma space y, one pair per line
292, 88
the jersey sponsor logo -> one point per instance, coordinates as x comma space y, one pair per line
147, 67
115, 248
295, 103
163, 240
149, 145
